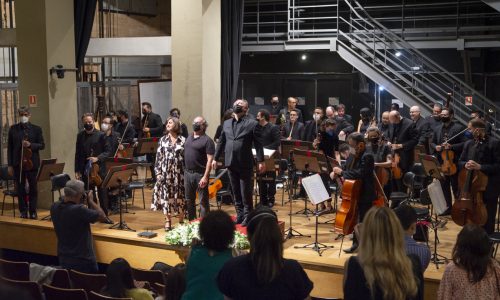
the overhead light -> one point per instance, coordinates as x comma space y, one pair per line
398, 54
417, 68
303, 57
381, 88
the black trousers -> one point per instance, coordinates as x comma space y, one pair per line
449, 183
267, 188
151, 158
30, 177
242, 185
191, 181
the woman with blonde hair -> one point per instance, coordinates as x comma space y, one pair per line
168, 194
382, 270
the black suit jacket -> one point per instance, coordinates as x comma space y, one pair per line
129, 135
155, 124
457, 144
310, 129
408, 137
297, 132
95, 144
362, 169
270, 135
285, 112
424, 131
17, 132
343, 125
237, 145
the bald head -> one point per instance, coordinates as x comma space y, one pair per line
394, 117
415, 113
330, 112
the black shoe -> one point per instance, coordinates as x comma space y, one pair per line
244, 223
108, 221
353, 248
24, 215
445, 213
33, 215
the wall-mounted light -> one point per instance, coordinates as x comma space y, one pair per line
381, 88
60, 70
398, 54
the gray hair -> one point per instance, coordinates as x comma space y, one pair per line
73, 188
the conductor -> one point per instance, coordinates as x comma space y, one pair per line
238, 136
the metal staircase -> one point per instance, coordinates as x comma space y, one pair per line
383, 56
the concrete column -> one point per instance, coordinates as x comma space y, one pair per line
45, 38
196, 60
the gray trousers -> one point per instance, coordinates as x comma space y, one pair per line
191, 181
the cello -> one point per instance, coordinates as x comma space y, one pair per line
469, 207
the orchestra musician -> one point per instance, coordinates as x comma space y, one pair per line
359, 166
381, 152
434, 120
294, 129
448, 129
92, 147
270, 135
292, 105
152, 126
122, 122
423, 127
384, 124
486, 149
238, 135
275, 105
344, 123
25, 138
312, 127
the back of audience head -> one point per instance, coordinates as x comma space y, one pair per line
472, 252
217, 230
407, 217
176, 282
119, 278
266, 244
382, 255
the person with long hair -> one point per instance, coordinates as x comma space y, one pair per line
120, 283
382, 269
168, 194
264, 273
472, 274
206, 259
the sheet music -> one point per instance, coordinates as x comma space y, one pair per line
315, 189
437, 196
268, 153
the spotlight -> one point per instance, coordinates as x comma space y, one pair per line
303, 57
398, 54
381, 88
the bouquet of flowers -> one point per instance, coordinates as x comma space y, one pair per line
183, 235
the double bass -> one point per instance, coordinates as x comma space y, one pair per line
469, 206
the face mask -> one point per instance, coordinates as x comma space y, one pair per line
237, 109
316, 117
330, 132
445, 119
88, 126
196, 127
274, 103
174, 114
104, 127
352, 150
437, 117
468, 135
374, 140
24, 119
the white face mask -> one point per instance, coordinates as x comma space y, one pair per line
316, 117
24, 119
104, 127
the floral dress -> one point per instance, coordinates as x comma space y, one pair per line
168, 193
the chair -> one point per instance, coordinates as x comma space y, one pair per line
14, 270
58, 183
4, 176
55, 293
151, 276
29, 287
96, 296
88, 282
159, 289
495, 236
61, 279
135, 185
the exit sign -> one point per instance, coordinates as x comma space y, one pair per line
33, 100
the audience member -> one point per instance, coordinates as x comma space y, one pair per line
71, 219
382, 269
120, 283
264, 273
472, 274
408, 219
206, 259
176, 283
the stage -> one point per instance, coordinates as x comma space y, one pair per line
325, 271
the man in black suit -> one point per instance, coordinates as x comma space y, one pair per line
151, 123
403, 137
270, 135
294, 129
384, 124
312, 127
275, 105
423, 127
238, 136
25, 136
122, 122
285, 112
434, 120
344, 123
448, 129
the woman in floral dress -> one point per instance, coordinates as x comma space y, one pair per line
168, 193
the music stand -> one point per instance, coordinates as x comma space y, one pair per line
49, 168
287, 147
147, 146
269, 163
431, 165
116, 178
111, 162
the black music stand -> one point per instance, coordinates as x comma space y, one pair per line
431, 165
147, 146
287, 147
49, 168
112, 162
117, 178
317, 193
269, 163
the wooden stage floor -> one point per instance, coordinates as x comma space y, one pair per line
325, 271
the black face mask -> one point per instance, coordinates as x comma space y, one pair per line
274, 103
174, 114
196, 127
374, 140
88, 126
238, 109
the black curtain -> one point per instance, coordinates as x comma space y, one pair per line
231, 32
84, 11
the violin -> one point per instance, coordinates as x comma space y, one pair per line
448, 156
396, 170
94, 176
214, 185
147, 134
122, 153
26, 154
469, 207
